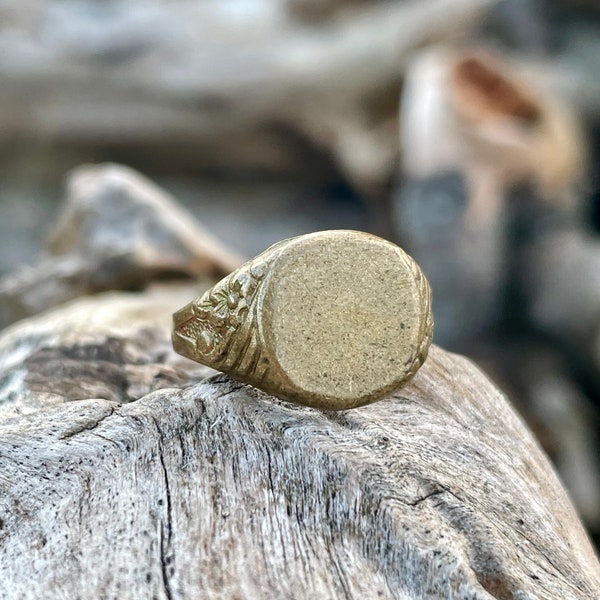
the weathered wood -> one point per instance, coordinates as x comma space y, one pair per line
473, 128
116, 230
125, 488
220, 79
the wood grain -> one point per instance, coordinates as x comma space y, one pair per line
156, 482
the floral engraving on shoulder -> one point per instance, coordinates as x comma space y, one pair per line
224, 323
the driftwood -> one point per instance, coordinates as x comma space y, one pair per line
217, 490
222, 82
117, 230
474, 127
126, 473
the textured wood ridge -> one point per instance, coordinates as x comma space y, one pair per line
124, 474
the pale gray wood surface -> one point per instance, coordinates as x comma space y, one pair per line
123, 474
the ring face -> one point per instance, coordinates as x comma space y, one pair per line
333, 320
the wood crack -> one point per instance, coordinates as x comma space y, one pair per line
437, 489
426, 496
166, 556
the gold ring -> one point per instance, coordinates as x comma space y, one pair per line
333, 320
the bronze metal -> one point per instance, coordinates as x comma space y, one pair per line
333, 320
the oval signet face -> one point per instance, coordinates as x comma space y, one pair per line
347, 326
333, 320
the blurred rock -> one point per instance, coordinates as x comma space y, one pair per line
117, 230
112, 211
